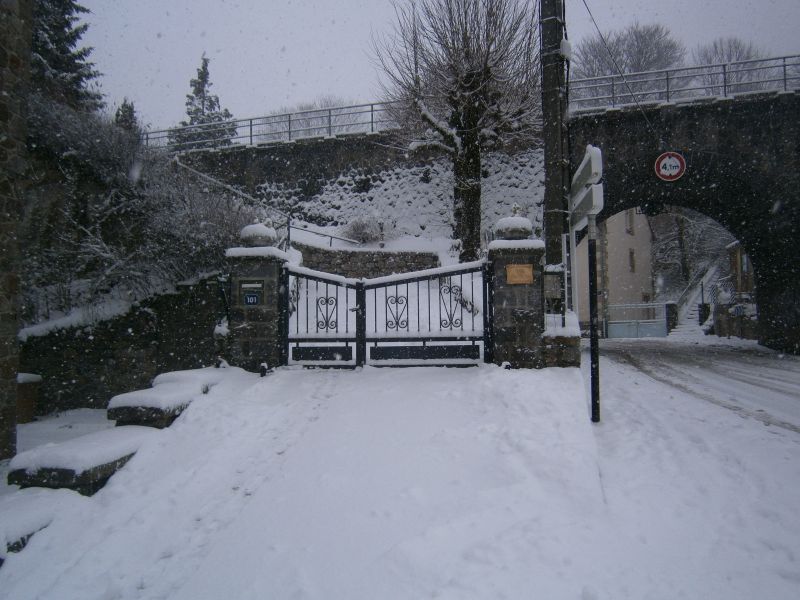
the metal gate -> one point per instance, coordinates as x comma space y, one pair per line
438, 316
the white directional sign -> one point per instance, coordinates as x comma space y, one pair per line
588, 202
586, 194
589, 171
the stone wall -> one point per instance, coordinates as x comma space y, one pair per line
729, 325
365, 263
15, 35
86, 366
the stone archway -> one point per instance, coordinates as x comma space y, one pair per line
743, 170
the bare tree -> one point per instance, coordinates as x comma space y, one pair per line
686, 242
465, 73
636, 49
737, 77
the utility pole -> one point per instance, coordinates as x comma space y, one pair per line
551, 14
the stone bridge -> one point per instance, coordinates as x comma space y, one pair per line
743, 170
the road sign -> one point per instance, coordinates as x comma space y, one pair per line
670, 166
587, 202
589, 171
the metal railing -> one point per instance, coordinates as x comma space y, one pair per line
681, 83
287, 127
668, 85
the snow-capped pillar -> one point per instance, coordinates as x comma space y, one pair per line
255, 328
518, 294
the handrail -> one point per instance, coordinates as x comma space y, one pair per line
665, 85
257, 202
725, 79
692, 284
328, 235
286, 127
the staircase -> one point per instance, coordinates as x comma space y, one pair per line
85, 464
688, 326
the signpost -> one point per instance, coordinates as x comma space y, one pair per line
585, 203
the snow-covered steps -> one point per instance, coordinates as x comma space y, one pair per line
82, 464
160, 405
25, 512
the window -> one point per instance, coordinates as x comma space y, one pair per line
632, 260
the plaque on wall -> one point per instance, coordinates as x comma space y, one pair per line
519, 274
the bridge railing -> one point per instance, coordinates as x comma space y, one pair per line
670, 85
287, 127
782, 73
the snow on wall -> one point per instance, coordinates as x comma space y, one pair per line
417, 199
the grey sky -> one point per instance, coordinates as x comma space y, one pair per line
269, 54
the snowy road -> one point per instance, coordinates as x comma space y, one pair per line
452, 483
740, 376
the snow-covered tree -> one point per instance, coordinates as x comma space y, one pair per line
125, 117
466, 74
109, 217
738, 78
686, 242
208, 124
60, 68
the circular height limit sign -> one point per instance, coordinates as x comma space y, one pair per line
670, 166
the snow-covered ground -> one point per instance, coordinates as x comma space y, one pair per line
452, 483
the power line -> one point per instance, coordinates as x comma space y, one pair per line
622, 75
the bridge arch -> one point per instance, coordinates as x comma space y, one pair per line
743, 170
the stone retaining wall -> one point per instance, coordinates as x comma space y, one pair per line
86, 366
365, 263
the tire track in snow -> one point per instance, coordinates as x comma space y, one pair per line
669, 375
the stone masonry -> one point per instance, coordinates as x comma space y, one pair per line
359, 263
15, 37
518, 308
254, 336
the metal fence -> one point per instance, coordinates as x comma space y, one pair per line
636, 320
669, 85
323, 122
779, 73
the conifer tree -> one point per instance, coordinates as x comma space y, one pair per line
60, 69
208, 124
125, 117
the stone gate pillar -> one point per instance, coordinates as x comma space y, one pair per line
518, 294
255, 299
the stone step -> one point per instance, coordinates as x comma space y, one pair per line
26, 512
160, 405
83, 464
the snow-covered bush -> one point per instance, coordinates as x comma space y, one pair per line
364, 229
107, 217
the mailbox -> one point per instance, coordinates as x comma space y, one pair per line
251, 293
